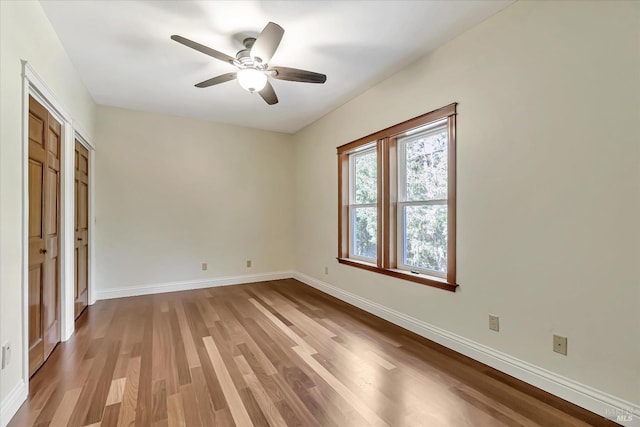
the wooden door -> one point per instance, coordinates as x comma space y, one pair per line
44, 224
81, 227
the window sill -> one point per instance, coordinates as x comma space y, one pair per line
433, 281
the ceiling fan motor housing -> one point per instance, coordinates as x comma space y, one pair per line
244, 57
248, 42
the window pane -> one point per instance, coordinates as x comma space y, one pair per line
426, 167
366, 176
365, 232
425, 237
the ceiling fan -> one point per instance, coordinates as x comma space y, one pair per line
253, 64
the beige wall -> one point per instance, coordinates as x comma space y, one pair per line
25, 33
172, 193
548, 187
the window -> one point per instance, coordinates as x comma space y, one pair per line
363, 205
422, 200
397, 200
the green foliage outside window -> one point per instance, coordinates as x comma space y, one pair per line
426, 180
365, 219
425, 232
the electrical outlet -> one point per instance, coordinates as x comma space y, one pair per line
494, 323
248, 263
204, 266
560, 344
6, 354
326, 270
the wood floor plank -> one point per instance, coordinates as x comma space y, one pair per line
111, 414
190, 406
81, 409
116, 391
237, 408
267, 405
63, 413
189, 344
48, 410
180, 354
307, 324
104, 383
275, 354
209, 315
336, 410
175, 411
249, 343
198, 330
371, 355
298, 402
144, 399
340, 388
284, 328
127, 414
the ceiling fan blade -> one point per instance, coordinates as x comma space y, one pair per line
204, 49
267, 42
296, 75
268, 94
217, 80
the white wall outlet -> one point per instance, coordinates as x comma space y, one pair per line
326, 270
560, 344
248, 263
494, 323
6, 354
204, 266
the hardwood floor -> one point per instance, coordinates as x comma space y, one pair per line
275, 353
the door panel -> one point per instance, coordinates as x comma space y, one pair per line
37, 124
44, 224
54, 139
81, 227
35, 199
36, 342
51, 198
51, 312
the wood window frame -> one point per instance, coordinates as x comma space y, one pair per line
386, 142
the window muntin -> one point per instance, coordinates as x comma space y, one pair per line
363, 201
422, 200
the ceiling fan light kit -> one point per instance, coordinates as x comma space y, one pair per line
253, 64
251, 79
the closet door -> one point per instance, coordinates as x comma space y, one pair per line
81, 227
44, 225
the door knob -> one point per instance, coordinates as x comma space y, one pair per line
43, 251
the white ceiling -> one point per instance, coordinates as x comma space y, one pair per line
125, 58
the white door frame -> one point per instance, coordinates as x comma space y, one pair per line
86, 143
33, 85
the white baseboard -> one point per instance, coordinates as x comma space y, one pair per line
599, 402
159, 288
12, 403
